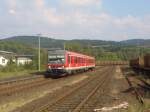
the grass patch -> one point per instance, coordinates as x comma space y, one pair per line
4, 75
13, 70
92, 74
147, 104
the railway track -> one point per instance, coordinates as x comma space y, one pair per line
18, 80
76, 98
133, 86
138, 96
94, 98
9, 87
21, 79
13, 86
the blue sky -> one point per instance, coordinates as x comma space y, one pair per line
81, 19
125, 7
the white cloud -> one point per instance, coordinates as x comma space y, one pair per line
12, 11
82, 2
48, 13
35, 11
36, 16
129, 21
138, 24
39, 3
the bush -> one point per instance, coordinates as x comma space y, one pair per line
29, 66
10, 68
13, 67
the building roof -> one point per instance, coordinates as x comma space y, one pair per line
6, 52
25, 56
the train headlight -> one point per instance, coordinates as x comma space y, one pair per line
49, 67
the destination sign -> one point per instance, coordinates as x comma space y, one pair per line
58, 56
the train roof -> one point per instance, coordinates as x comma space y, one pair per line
71, 53
79, 54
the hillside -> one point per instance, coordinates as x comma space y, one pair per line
16, 47
137, 42
33, 41
102, 50
49, 42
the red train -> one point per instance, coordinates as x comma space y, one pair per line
67, 62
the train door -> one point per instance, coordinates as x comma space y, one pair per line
69, 60
72, 61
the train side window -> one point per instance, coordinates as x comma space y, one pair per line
78, 60
69, 59
72, 59
75, 60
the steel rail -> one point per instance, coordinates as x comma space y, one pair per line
15, 85
79, 107
15, 88
138, 96
5, 82
43, 108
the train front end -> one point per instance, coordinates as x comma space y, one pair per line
56, 62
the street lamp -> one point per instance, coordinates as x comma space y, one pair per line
39, 56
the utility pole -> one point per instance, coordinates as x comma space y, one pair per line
39, 52
64, 46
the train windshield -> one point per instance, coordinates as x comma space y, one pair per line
56, 61
56, 57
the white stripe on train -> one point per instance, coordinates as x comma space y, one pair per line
75, 68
